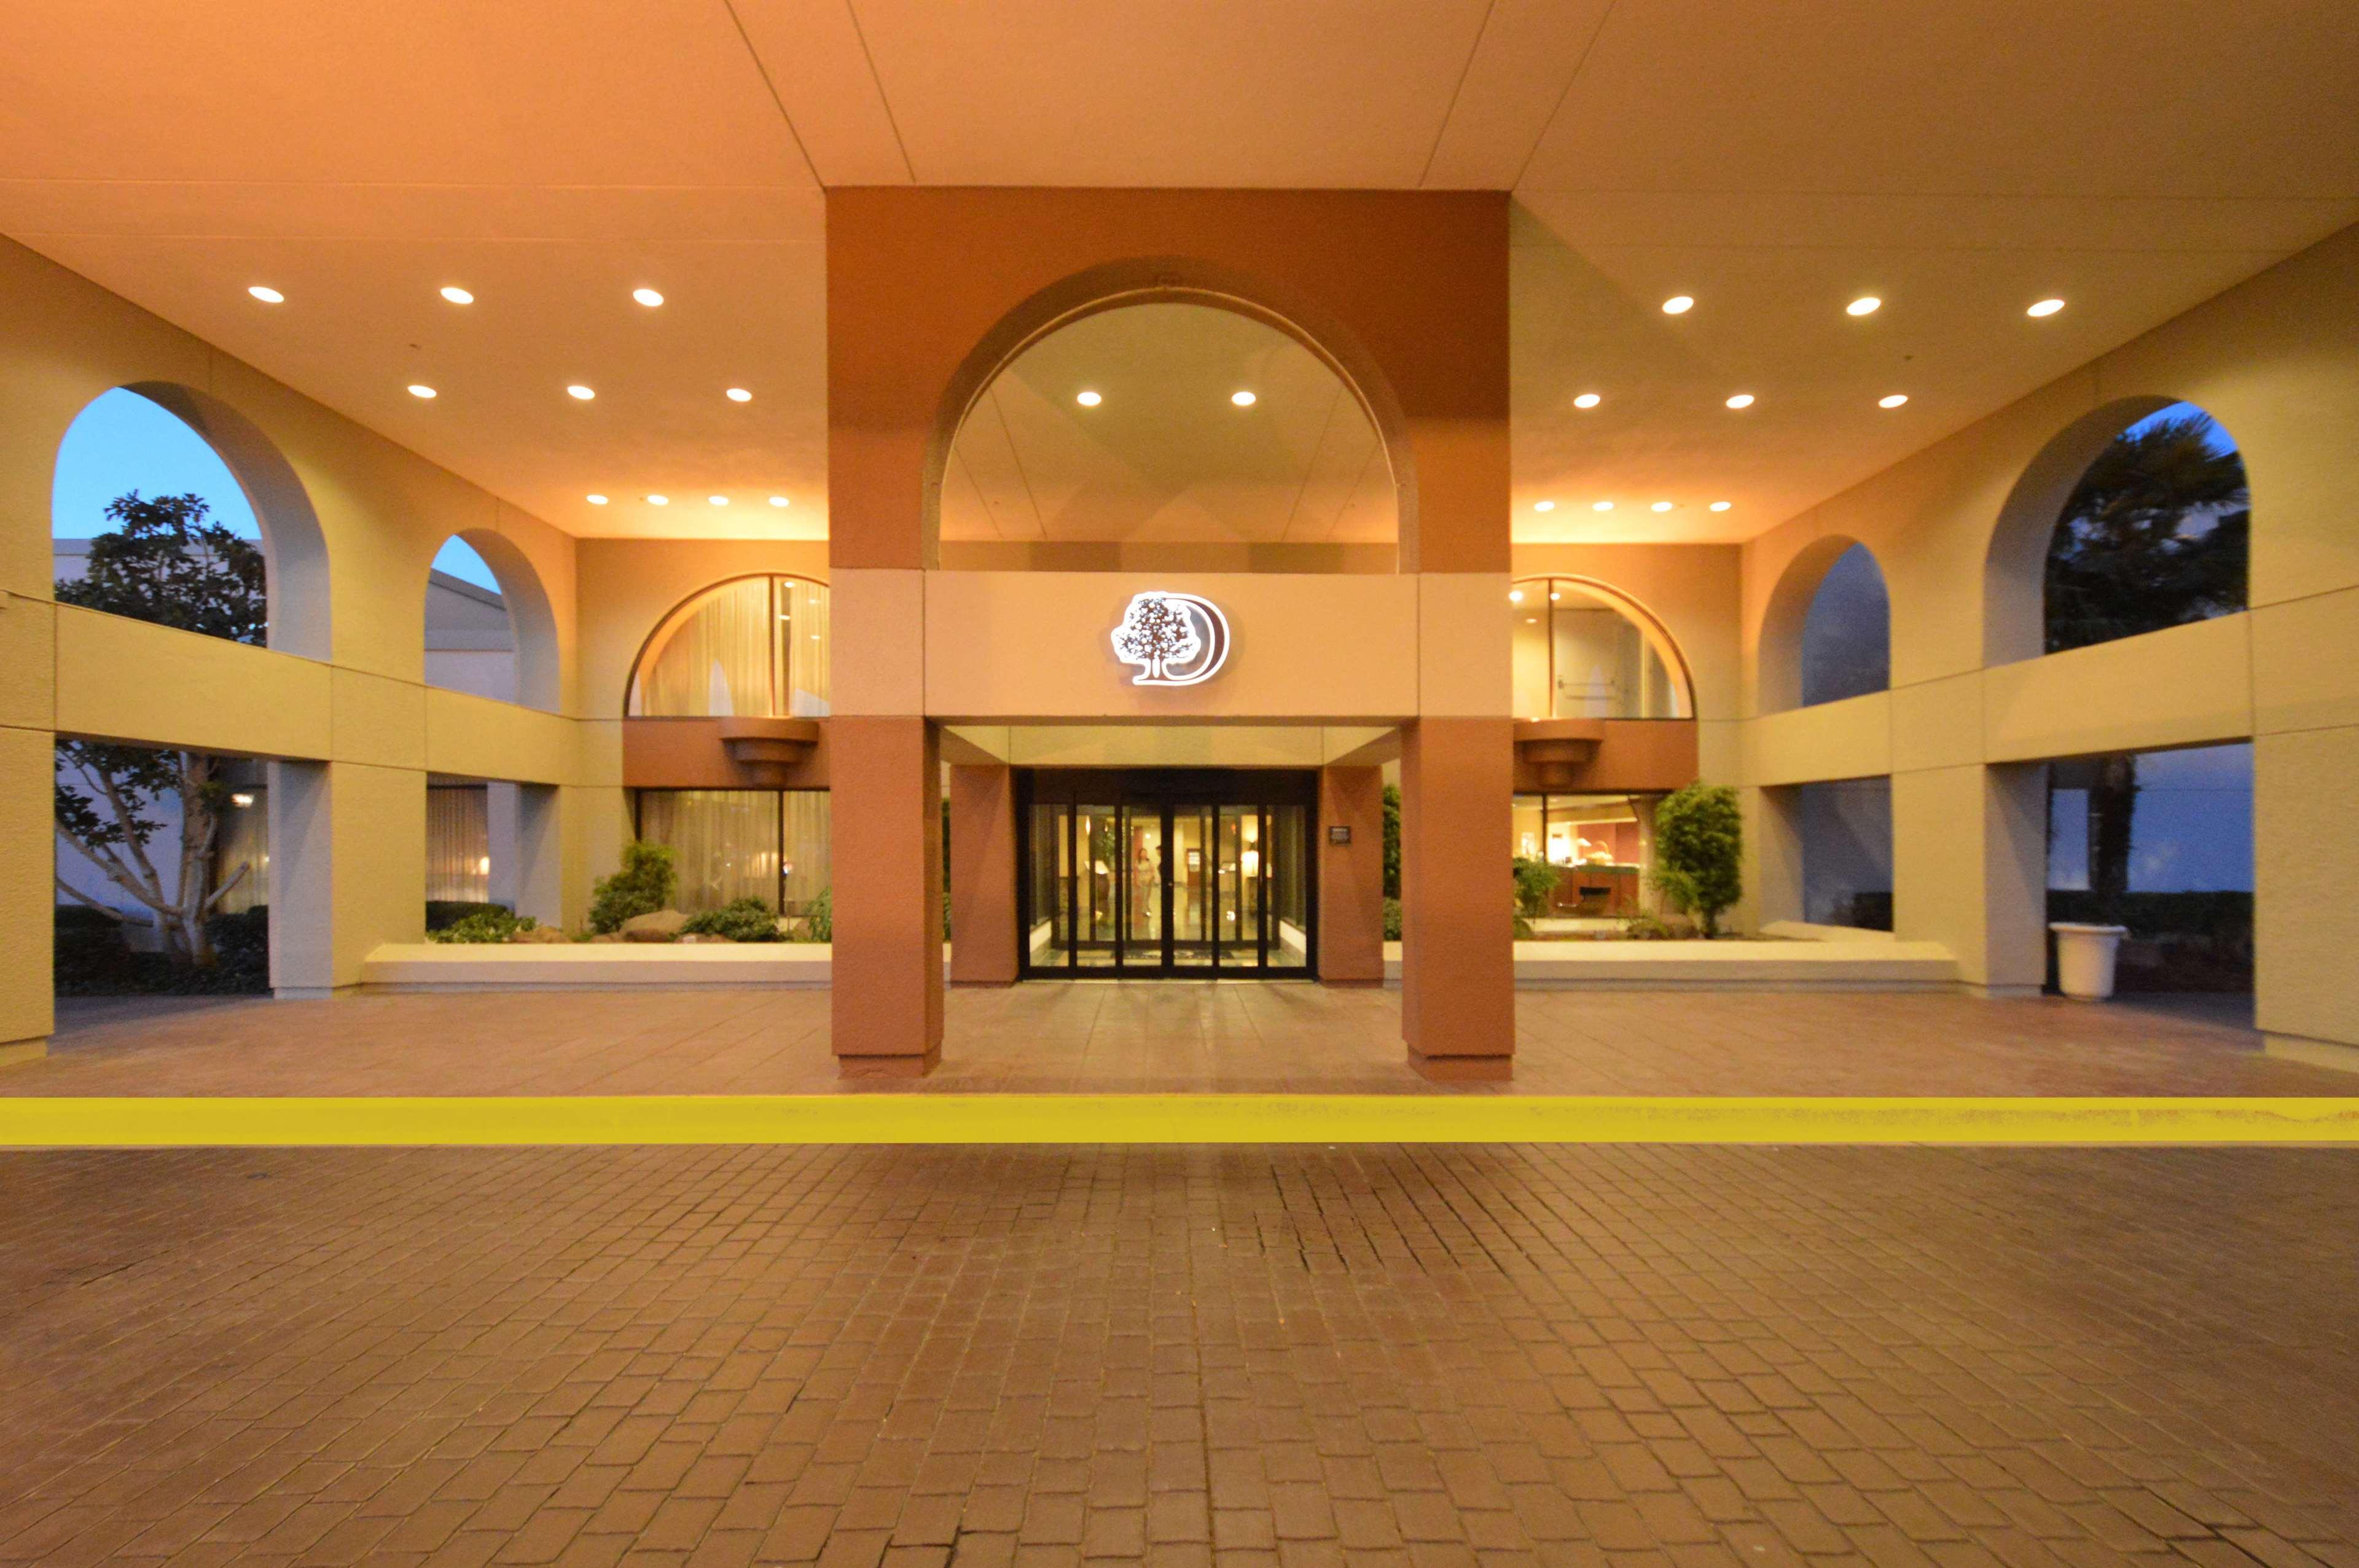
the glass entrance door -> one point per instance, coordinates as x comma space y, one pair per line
1167, 872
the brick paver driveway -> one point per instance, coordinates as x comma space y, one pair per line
1290, 1357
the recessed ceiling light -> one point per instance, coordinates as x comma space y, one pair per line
658, 501
1865, 305
580, 393
267, 294
1677, 305
1662, 506
718, 500
1587, 400
418, 389
2046, 308
646, 296
1719, 506
1603, 506
1242, 399
1894, 401
596, 498
739, 394
779, 501
1554, 596
457, 295
1088, 399
1742, 400
1543, 505
1515, 596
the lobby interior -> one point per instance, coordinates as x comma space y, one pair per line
1179, 555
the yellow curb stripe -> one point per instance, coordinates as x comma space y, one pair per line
1030, 1119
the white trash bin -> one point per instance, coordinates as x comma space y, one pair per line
2084, 958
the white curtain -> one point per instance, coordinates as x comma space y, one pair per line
726, 842
458, 844
803, 643
715, 661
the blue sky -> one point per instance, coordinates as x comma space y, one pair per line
2192, 831
123, 442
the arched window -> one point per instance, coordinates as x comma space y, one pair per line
2154, 535
753, 647
470, 641
1582, 651
1171, 423
1847, 631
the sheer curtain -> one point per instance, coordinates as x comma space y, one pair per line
803, 644
726, 842
716, 659
458, 843
807, 862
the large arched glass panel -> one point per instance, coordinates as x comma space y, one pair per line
1847, 633
757, 647
2154, 535
1579, 654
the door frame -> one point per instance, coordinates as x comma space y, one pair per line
1165, 791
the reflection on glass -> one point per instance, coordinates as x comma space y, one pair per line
1192, 885
1578, 654
1290, 931
1142, 843
1050, 939
1096, 884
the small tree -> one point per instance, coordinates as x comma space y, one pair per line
1698, 842
164, 562
648, 883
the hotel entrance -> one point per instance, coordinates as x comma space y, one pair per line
1167, 872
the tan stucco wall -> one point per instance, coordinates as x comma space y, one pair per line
2276, 361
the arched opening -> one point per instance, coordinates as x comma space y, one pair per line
1826, 634
1846, 839
1582, 650
2155, 534
490, 631
1170, 422
750, 647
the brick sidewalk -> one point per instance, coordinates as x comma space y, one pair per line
1262, 1357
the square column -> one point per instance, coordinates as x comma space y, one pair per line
29, 859
1351, 876
984, 942
885, 992
347, 871
1969, 870
527, 849
1458, 954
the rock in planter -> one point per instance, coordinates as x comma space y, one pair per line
607, 936
708, 936
663, 925
541, 935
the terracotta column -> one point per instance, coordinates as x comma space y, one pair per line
1351, 876
886, 973
1458, 960
984, 943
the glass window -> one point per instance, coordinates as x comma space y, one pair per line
1847, 631
1602, 848
756, 647
2154, 535
1578, 654
458, 844
732, 844
1847, 853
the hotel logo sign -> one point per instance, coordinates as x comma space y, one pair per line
1175, 639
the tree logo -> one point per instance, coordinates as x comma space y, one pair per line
1175, 639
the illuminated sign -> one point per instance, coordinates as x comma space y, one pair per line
1175, 639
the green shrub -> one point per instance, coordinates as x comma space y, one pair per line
91, 958
491, 924
1535, 880
1698, 846
745, 920
441, 913
1648, 928
818, 920
647, 883
1392, 840
1392, 919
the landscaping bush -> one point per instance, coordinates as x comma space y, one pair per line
1536, 880
492, 923
1392, 840
745, 920
648, 883
91, 958
1392, 920
1699, 845
818, 920
441, 913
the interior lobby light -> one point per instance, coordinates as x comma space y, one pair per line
1662, 506
1742, 400
646, 296
1893, 400
658, 501
1677, 305
718, 500
420, 389
1515, 596
1543, 505
1865, 305
240, 800
580, 393
1088, 399
2046, 308
456, 295
1242, 399
1719, 506
739, 394
596, 498
1587, 400
779, 501
1603, 506
267, 294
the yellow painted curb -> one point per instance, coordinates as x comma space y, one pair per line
1027, 1118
